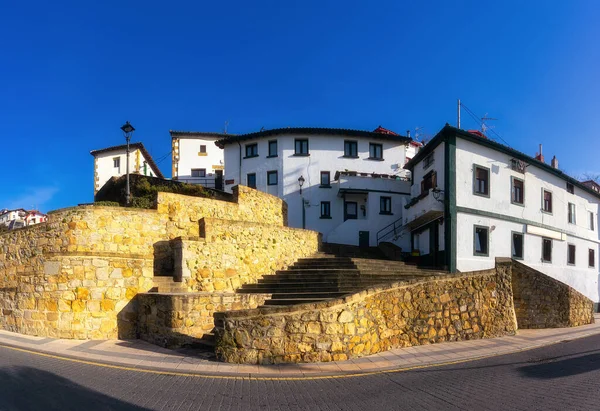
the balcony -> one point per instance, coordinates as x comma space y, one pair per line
350, 182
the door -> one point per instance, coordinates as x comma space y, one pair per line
363, 239
350, 210
219, 179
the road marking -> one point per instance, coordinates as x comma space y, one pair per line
303, 378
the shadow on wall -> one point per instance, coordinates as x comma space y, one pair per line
127, 320
163, 259
26, 388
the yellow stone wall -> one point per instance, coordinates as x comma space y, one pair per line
76, 276
449, 308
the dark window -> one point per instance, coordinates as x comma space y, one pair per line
517, 191
570, 188
517, 245
571, 254
273, 148
325, 179
375, 151
350, 149
198, 172
591, 258
481, 181
350, 210
325, 209
251, 150
480, 243
203, 148
591, 221
385, 205
429, 181
271, 178
547, 250
547, 198
427, 161
301, 147
251, 180
571, 213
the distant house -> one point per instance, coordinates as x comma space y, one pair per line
112, 162
592, 184
196, 159
20, 217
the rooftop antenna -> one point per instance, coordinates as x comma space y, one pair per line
484, 127
226, 124
458, 114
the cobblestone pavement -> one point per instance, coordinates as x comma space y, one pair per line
563, 376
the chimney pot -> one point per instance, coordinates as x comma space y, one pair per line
554, 162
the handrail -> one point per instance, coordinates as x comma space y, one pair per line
391, 228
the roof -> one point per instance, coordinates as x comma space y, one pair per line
198, 134
475, 138
139, 146
230, 139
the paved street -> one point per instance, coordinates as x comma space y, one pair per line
564, 376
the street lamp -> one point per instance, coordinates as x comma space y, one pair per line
127, 132
301, 183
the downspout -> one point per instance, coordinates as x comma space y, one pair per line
240, 167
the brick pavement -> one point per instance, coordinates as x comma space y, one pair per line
138, 354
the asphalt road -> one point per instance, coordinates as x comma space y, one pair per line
565, 376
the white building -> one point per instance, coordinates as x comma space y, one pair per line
112, 162
20, 217
196, 159
473, 199
353, 181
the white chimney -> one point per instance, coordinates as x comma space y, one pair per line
554, 162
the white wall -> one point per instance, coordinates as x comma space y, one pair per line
105, 166
190, 158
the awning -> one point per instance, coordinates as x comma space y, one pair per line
426, 218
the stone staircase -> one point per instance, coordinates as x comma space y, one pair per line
325, 276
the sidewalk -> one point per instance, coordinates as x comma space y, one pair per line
142, 356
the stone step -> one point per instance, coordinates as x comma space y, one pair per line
325, 260
316, 294
294, 301
315, 266
353, 271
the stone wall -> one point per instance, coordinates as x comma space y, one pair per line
76, 276
233, 253
176, 320
444, 308
543, 302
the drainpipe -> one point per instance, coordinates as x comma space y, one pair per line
240, 176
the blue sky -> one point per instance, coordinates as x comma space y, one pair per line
73, 72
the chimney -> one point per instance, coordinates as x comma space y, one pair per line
408, 133
540, 156
554, 162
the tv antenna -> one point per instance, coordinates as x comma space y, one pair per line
484, 127
226, 124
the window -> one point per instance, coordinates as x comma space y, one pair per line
571, 213
301, 147
429, 181
571, 254
385, 205
350, 210
591, 258
480, 243
251, 150
517, 245
591, 221
251, 180
428, 161
117, 162
198, 172
203, 148
547, 201
570, 188
272, 178
351, 149
547, 250
272, 148
481, 181
325, 209
517, 191
325, 179
375, 151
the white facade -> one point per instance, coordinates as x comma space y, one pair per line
21, 218
196, 159
112, 162
504, 204
326, 154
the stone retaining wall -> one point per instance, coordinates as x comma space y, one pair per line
233, 253
176, 320
543, 302
444, 308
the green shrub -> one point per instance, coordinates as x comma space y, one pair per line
107, 203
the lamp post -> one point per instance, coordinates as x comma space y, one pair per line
301, 183
127, 132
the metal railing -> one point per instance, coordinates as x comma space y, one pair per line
392, 228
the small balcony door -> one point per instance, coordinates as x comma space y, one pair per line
350, 210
